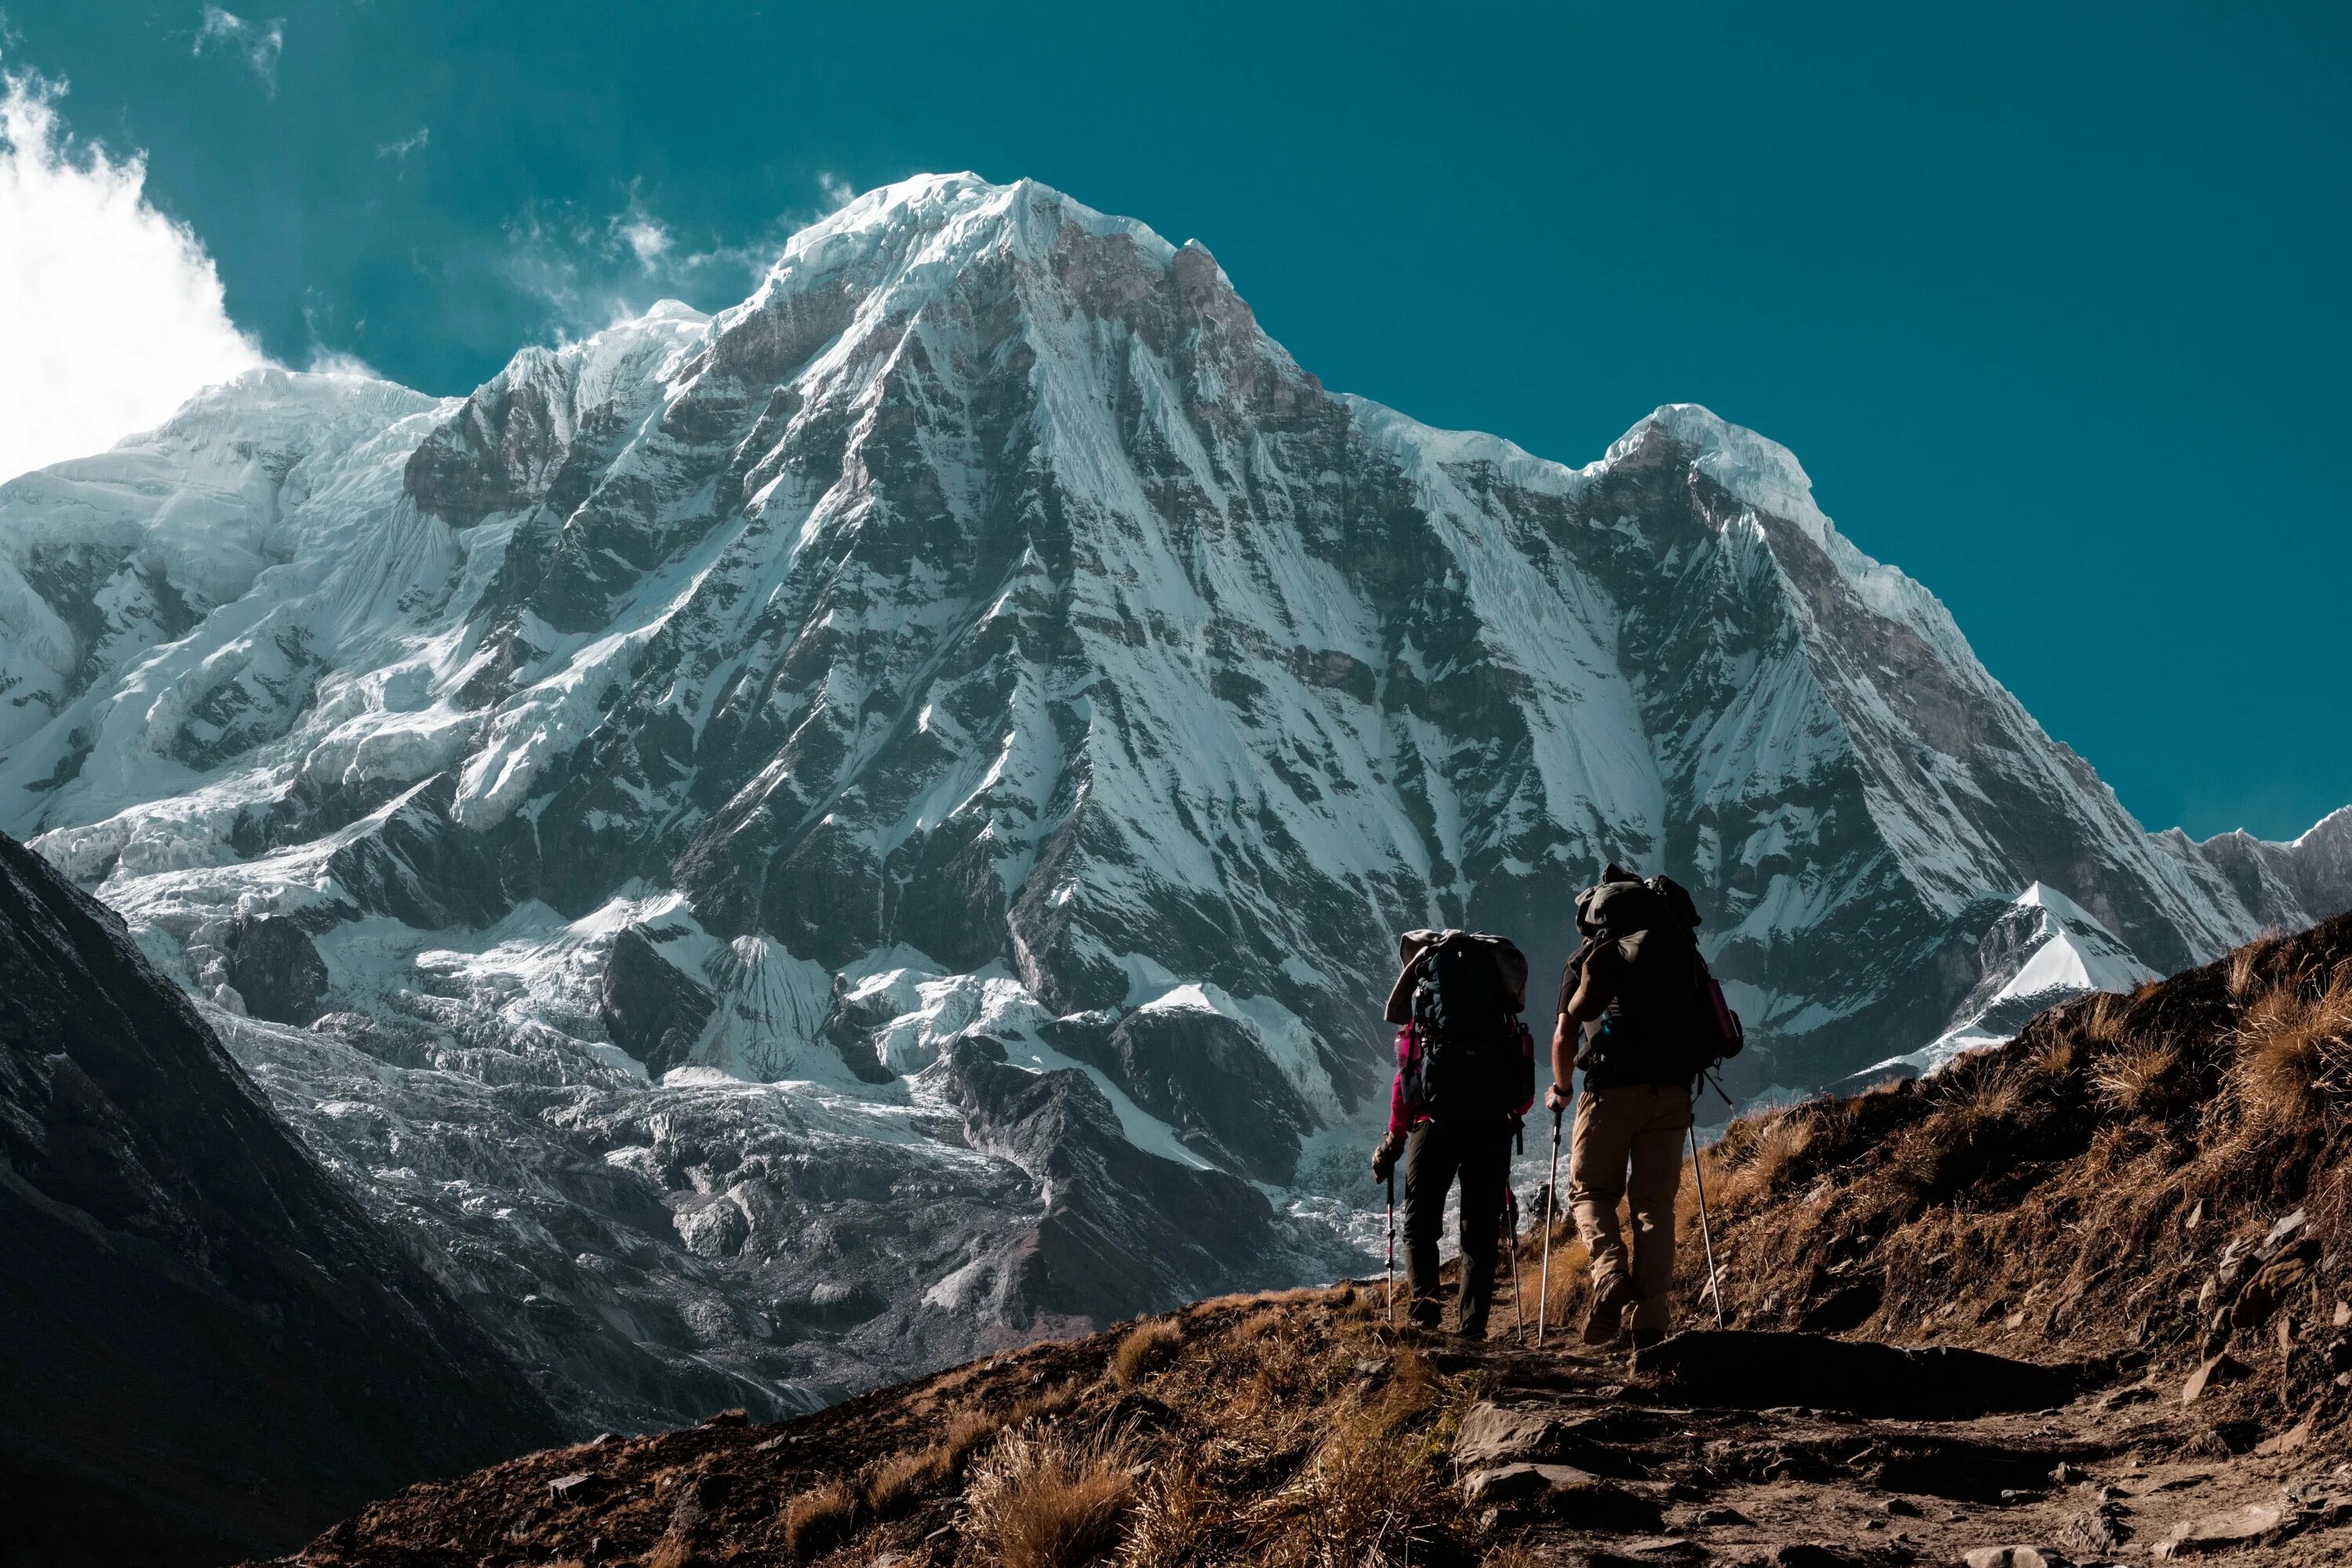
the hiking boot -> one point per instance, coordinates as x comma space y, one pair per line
1609, 1304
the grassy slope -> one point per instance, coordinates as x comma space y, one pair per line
2075, 1193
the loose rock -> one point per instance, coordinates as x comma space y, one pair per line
2219, 1531
2015, 1557
2211, 1372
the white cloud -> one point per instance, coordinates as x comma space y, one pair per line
113, 312
594, 272
399, 151
259, 42
647, 241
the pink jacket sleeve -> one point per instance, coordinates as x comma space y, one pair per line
1399, 1118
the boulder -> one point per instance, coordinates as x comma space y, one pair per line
2014, 1557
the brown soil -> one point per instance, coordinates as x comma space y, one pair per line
2136, 1190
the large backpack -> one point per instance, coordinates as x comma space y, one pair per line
1466, 1053
1668, 1022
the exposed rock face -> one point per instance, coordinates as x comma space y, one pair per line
274, 968
1121, 1229
649, 1007
985, 630
205, 1348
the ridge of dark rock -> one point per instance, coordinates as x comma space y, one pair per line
206, 1347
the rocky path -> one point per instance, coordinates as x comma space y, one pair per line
1587, 1459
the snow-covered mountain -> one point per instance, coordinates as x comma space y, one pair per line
2042, 950
642, 812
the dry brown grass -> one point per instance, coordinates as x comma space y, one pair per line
1042, 1499
1047, 1404
1511, 1554
1757, 1155
2055, 1058
819, 1520
1175, 1518
2102, 1020
1370, 1482
898, 1483
966, 1431
2244, 976
1152, 1345
2294, 1048
2137, 1080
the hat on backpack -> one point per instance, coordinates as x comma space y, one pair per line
1623, 903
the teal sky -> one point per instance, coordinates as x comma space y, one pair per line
2052, 301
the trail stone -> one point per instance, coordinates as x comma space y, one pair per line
577, 1487
2211, 1372
1494, 1434
1572, 1497
2288, 1441
1503, 1485
2015, 1557
2219, 1531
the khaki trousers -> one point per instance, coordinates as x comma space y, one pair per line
1639, 1127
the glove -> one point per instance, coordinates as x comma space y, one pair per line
1384, 1158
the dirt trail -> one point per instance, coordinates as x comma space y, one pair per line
2114, 1475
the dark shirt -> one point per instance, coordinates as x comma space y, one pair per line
1601, 974
1608, 1063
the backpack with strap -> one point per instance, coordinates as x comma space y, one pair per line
1468, 1053
1668, 1022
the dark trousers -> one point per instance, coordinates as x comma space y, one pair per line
1479, 1153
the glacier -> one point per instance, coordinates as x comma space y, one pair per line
785, 846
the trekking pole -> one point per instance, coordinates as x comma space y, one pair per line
1706, 1231
1551, 1202
1518, 1292
1388, 1280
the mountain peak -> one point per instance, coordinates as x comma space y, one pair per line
1760, 471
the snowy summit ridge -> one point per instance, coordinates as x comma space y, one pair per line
819, 838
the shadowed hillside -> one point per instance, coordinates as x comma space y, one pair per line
205, 1348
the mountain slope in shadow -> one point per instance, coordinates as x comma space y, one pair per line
206, 1349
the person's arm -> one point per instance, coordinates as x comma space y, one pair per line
1563, 1062
1385, 1154
1590, 1000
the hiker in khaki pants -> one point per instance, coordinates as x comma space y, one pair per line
1626, 1121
